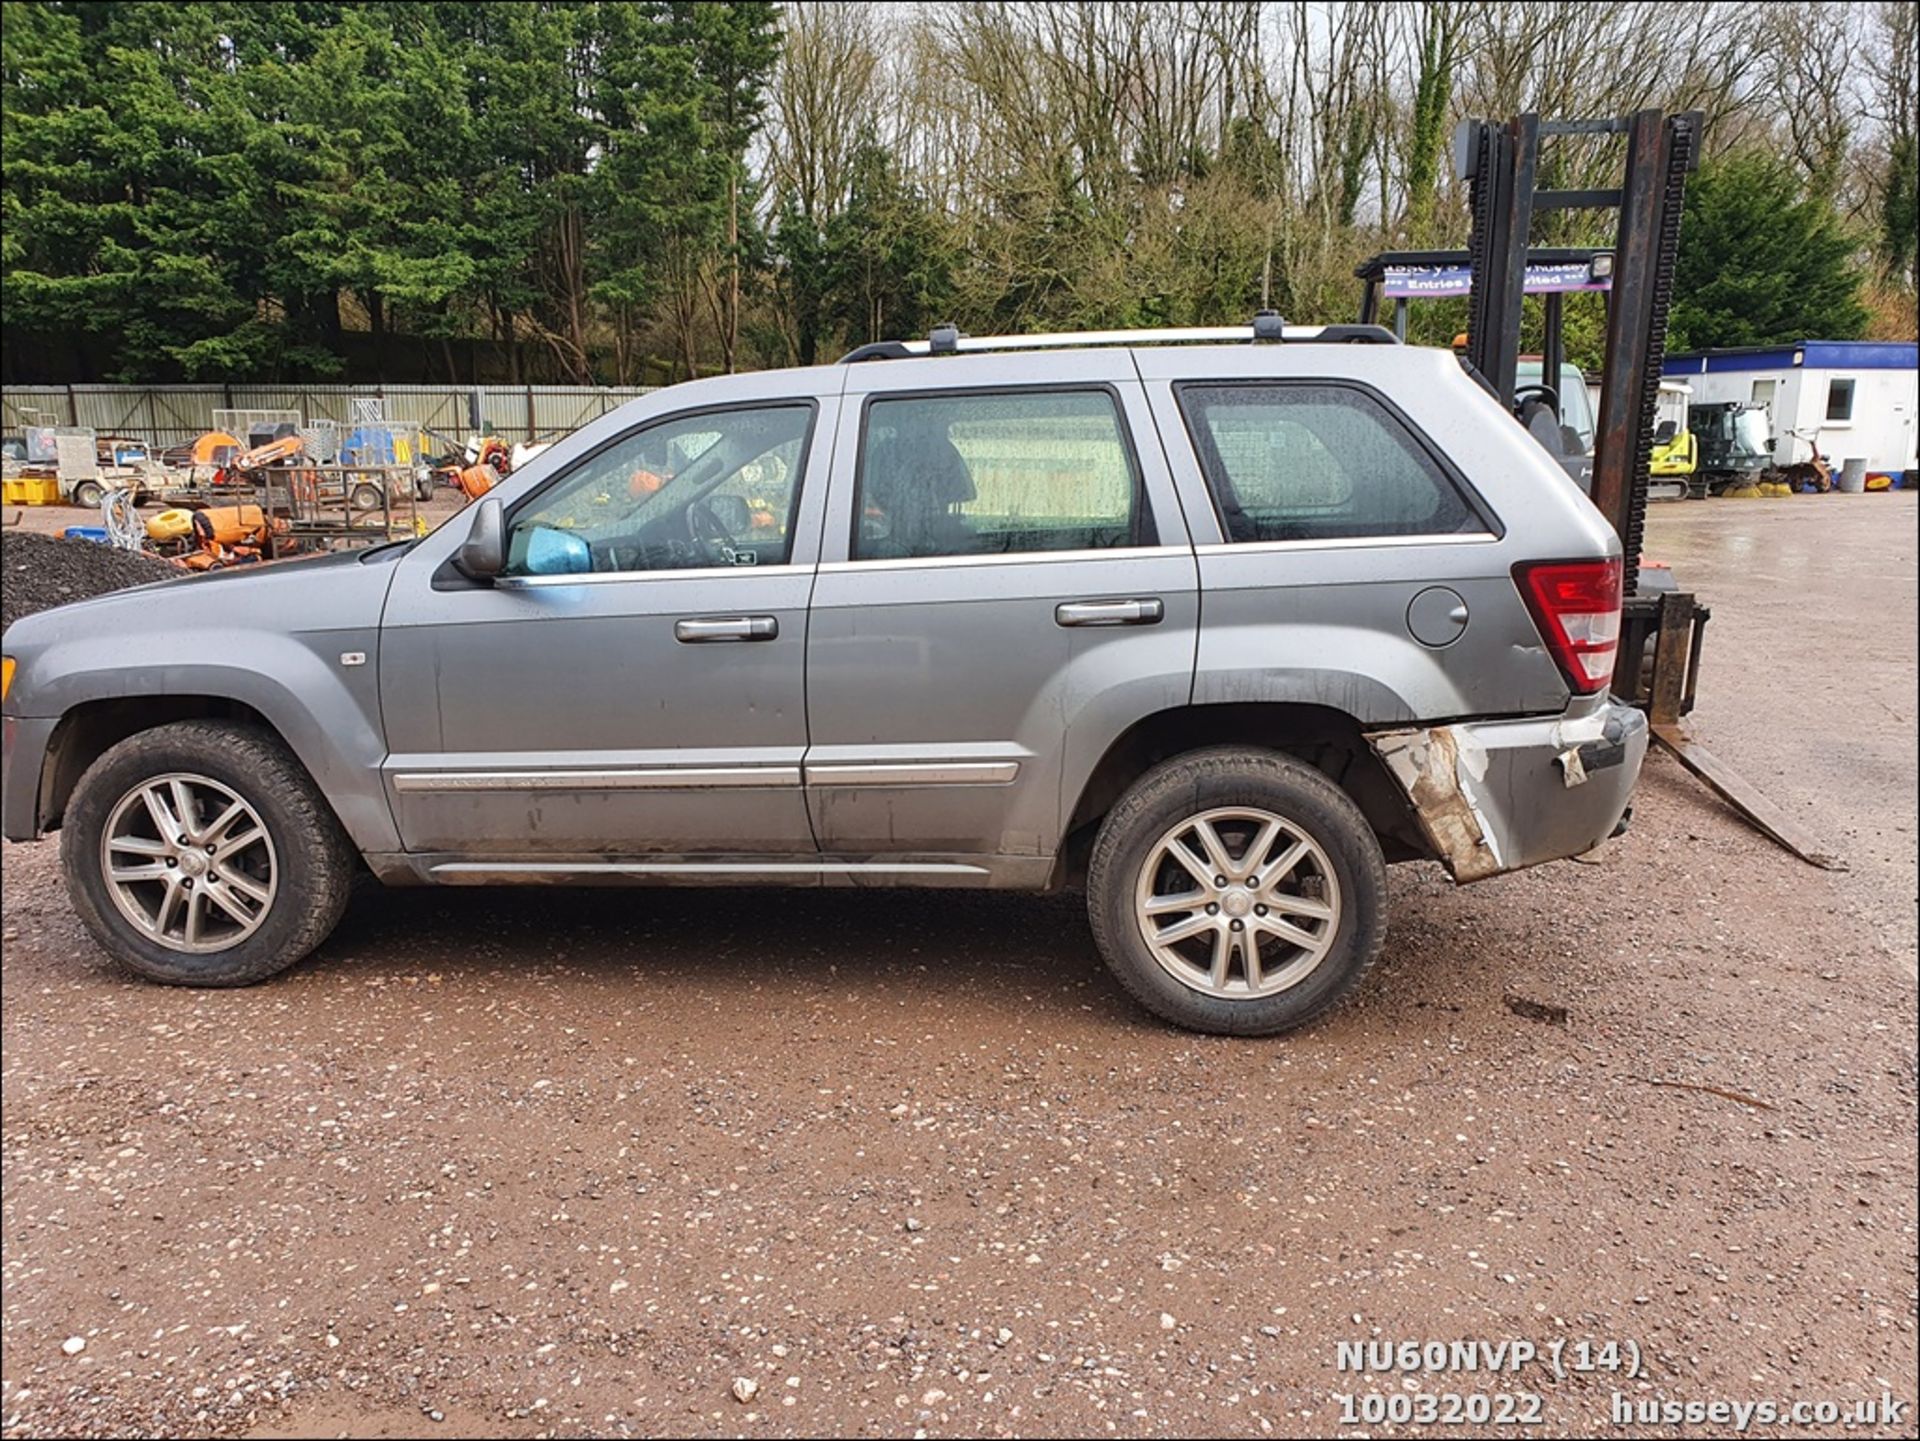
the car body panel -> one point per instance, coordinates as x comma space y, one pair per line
1495, 796
1326, 621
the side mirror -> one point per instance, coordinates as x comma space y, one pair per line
483, 554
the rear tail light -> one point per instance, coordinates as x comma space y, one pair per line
1576, 605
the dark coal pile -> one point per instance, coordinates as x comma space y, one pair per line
38, 572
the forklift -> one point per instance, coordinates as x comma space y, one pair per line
1662, 627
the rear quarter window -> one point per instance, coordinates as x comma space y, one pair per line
1290, 461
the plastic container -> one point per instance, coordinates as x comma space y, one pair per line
86, 532
170, 525
1853, 475
24, 491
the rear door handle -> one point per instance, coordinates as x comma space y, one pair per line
706, 629
1109, 612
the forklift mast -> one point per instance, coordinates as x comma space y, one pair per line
1500, 162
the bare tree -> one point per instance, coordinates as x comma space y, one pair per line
1893, 37
1100, 159
1814, 44
824, 93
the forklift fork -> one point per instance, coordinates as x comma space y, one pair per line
1675, 623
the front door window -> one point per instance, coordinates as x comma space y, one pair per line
713, 489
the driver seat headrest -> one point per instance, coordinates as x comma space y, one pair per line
918, 466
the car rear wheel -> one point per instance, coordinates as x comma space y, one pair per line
1237, 891
200, 853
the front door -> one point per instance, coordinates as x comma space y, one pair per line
633, 686
1006, 585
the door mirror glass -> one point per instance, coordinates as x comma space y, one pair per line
484, 552
556, 552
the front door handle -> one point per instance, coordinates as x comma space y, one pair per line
706, 629
1109, 612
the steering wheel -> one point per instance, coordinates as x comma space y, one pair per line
705, 531
1544, 393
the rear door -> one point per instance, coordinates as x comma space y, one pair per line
1006, 584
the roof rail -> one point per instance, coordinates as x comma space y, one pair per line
1266, 326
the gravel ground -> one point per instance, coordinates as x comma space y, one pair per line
38, 572
551, 1163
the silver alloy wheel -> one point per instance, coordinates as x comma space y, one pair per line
1238, 902
189, 863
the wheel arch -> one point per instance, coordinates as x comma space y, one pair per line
1328, 739
88, 729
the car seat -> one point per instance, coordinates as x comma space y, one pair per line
914, 477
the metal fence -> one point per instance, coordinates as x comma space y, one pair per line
170, 415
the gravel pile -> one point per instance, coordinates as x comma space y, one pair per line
38, 572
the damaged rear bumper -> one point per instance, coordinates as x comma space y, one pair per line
1494, 796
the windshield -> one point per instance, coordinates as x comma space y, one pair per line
1751, 432
1576, 406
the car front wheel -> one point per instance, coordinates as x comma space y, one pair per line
200, 853
1237, 891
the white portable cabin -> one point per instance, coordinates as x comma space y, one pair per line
1841, 398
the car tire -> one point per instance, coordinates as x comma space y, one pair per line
88, 494
303, 863
365, 498
1314, 927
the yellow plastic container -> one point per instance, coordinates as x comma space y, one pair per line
22, 491
169, 525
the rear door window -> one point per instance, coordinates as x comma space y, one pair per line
995, 474
1317, 462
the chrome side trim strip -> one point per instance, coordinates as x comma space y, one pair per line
655, 778
508, 870
611, 577
1354, 542
1018, 557
897, 773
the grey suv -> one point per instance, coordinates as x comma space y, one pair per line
1215, 629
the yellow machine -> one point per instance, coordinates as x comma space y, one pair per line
1676, 454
